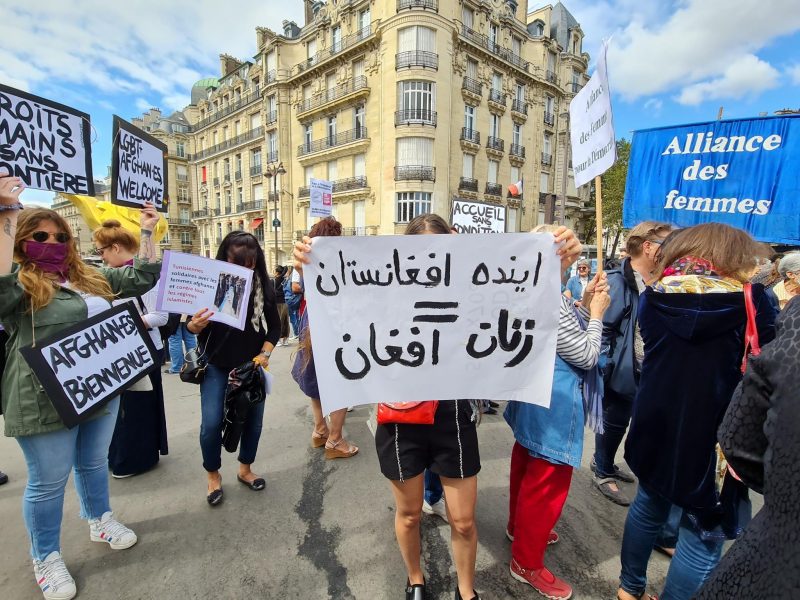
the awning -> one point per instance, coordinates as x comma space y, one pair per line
256, 223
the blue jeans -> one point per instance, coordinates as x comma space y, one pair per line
50, 457
668, 538
294, 319
433, 487
694, 559
212, 408
181, 337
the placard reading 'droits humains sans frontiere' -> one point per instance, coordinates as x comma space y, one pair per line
84, 366
190, 283
44, 143
138, 168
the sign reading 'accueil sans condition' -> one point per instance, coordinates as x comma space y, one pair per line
84, 366
478, 217
44, 143
740, 172
138, 168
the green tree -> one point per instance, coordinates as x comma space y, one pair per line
614, 191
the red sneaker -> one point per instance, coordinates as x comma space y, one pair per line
542, 580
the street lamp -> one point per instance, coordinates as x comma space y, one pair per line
272, 173
567, 147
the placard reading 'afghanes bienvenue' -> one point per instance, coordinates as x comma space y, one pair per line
190, 283
433, 317
740, 172
44, 143
478, 217
84, 366
138, 168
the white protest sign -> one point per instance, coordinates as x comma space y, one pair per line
478, 217
84, 366
433, 317
321, 204
138, 168
44, 143
594, 147
189, 283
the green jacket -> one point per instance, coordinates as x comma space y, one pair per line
27, 409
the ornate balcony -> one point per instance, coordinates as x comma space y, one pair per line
549, 118
200, 214
339, 186
470, 140
493, 189
272, 117
416, 58
359, 84
471, 89
418, 4
497, 101
255, 170
467, 184
326, 53
547, 159
487, 44
517, 150
519, 109
238, 140
496, 144
550, 76
415, 116
415, 173
340, 139
231, 108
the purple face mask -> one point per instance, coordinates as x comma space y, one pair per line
50, 258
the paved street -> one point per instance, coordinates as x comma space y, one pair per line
320, 529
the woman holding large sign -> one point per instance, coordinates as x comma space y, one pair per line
44, 288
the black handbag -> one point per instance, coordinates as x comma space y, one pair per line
195, 363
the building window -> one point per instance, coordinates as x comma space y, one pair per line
468, 166
494, 129
497, 83
511, 220
516, 136
519, 94
255, 121
411, 204
272, 146
336, 39
547, 146
333, 170
359, 165
544, 183
186, 238
494, 34
538, 29
238, 163
255, 161
416, 96
359, 117
416, 38
494, 167
364, 20
332, 131
469, 117
467, 16
307, 137
272, 104
414, 151
180, 150
184, 216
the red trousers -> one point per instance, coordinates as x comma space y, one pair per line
538, 492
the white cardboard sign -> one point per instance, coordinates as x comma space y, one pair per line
321, 198
433, 317
189, 283
478, 217
138, 168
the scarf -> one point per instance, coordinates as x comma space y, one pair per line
258, 304
694, 275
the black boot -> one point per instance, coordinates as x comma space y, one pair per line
416, 591
3, 478
475, 595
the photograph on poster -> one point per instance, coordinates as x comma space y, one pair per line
229, 294
44, 143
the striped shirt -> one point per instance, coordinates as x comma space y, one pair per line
579, 348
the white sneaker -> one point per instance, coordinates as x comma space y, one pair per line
109, 530
437, 508
53, 578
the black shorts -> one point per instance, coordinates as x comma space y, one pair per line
448, 447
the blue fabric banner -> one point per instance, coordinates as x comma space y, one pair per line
745, 173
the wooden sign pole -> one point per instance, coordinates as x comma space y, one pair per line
598, 207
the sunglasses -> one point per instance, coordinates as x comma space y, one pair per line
99, 251
43, 236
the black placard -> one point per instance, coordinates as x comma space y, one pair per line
138, 168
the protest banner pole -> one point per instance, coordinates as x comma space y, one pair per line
598, 217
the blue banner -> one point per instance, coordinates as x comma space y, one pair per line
745, 173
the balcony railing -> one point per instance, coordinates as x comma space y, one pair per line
470, 135
272, 116
472, 85
417, 58
468, 184
228, 209
494, 143
216, 181
230, 108
415, 173
547, 159
493, 47
345, 137
421, 4
494, 189
519, 106
550, 76
497, 97
368, 230
271, 76
517, 150
181, 177
216, 211
234, 141
199, 214
251, 205
255, 170
340, 91
226, 178
415, 116
549, 118
340, 46
340, 185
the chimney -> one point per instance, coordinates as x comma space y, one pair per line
309, 11
227, 64
290, 29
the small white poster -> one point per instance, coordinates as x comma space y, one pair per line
478, 217
594, 146
321, 198
405, 318
190, 283
138, 168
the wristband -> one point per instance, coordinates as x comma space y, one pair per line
266, 354
17, 206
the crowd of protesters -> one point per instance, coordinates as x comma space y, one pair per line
652, 351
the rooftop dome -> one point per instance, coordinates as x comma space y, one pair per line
208, 82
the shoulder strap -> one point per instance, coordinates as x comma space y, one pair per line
751, 345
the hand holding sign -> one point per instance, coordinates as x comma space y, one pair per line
569, 248
10, 188
149, 218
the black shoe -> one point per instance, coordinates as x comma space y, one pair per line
215, 497
3, 478
489, 411
415, 592
494, 404
475, 595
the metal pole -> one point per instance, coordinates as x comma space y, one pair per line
275, 215
563, 215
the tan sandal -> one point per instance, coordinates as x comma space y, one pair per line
318, 439
332, 451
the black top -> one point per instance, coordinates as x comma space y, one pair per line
229, 347
280, 297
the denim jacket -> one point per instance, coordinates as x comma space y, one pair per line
554, 434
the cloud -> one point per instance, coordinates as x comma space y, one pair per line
794, 73
663, 47
654, 105
747, 76
146, 48
143, 104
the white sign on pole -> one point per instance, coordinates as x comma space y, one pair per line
594, 146
321, 198
405, 318
478, 217
189, 283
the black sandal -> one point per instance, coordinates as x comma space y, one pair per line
416, 591
256, 485
215, 497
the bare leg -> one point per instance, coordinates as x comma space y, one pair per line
320, 425
246, 474
214, 481
337, 418
408, 502
460, 498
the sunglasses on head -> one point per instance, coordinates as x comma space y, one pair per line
43, 236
